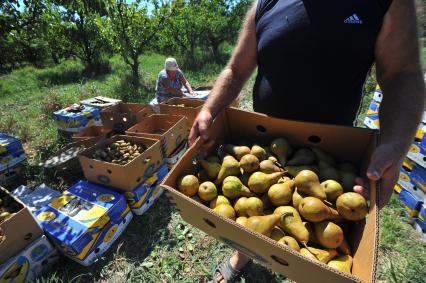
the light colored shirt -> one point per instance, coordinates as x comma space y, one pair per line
160, 91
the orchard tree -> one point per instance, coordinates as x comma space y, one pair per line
131, 29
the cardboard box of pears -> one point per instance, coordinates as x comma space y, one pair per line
284, 201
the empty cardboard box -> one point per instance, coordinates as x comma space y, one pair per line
124, 177
354, 145
100, 102
122, 116
169, 129
182, 107
92, 132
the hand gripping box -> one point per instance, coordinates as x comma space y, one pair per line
410, 201
77, 117
141, 198
31, 262
17, 231
170, 130
350, 144
371, 120
123, 177
182, 107
122, 116
85, 220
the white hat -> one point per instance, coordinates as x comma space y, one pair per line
171, 64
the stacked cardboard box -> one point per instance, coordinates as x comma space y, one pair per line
412, 178
12, 156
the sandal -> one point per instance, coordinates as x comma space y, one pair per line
228, 273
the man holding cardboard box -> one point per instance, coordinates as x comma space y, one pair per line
313, 58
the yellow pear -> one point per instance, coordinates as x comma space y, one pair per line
207, 191
308, 183
277, 233
188, 185
241, 220
268, 167
233, 188
290, 242
344, 247
225, 210
318, 254
297, 198
259, 152
230, 167
327, 172
352, 206
294, 170
219, 200
283, 180
292, 224
314, 210
212, 168
281, 193
252, 206
260, 182
342, 263
303, 156
282, 150
332, 189
273, 159
263, 224
328, 234
324, 156
237, 151
249, 163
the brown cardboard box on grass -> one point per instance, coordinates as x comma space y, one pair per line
92, 132
18, 231
122, 116
190, 110
171, 130
124, 177
347, 144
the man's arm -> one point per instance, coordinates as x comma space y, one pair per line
400, 77
169, 89
230, 82
186, 84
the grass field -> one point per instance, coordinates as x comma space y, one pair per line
158, 246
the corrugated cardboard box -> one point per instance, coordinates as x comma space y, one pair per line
418, 178
9, 144
350, 144
85, 220
122, 116
189, 108
100, 101
36, 258
77, 117
410, 201
124, 177
170, 130
19, 230
142, 198
372, 118
418, 154
92, 132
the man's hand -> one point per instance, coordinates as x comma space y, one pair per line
384, 166
200, 129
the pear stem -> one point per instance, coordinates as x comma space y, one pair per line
327, 202
307, 248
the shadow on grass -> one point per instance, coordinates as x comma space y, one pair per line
257, 273
74, 74
126, 91
135, 244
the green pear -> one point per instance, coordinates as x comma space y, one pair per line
213, 159
327, 172
332, 189
188, 185
342, 263
281, 193
207, 191
260, 182
233, 188
294, 170
347, 179
352, 206
303, 156
282, 150
328, 234
259, 152
290, 242
324, 156
308, 183
230, 167
211, 168
237, 151
249, 163
252, 206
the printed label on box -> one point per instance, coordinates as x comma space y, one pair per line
417, 154
410, 202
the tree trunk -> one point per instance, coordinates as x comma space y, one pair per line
135, 74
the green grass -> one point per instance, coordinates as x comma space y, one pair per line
159, 246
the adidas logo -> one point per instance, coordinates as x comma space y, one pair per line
353, 20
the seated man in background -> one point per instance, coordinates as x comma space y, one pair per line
170, 81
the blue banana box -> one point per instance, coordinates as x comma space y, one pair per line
410, 201
418, 177
142, 198
378, 95
10, 160
421, 221
30, 262
417, 153
9, 144
371, 120
77, 117
405, 174
85, 220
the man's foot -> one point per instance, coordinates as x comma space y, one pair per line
231, 269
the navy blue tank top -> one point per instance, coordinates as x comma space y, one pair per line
314, 56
